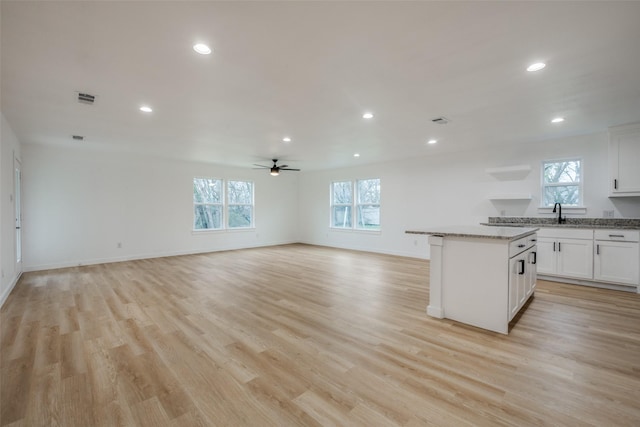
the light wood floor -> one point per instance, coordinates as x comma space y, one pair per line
303, 335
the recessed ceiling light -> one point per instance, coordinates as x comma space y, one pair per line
286, 139
202, 49
367, 116
432, 141
557, 120
356, 155
536, 67
146, 109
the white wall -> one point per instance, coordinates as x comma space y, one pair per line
78, 204
9, 149
452, 189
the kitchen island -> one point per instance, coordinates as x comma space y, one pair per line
481, 276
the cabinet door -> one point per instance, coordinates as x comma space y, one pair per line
617, 262
575, 258
531, 273
546, 255
624, 154
517, 269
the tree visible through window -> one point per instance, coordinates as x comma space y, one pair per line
562, 182
363, 210
207, 204
341, 204
211, 206
240, 204
368, 208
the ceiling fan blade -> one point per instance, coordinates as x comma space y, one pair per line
283, 166
261, 166
288, 169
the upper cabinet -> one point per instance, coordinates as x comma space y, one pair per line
624, 158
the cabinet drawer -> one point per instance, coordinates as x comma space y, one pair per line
522, 244
566, 233
618, 235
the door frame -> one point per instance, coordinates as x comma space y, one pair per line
17, 212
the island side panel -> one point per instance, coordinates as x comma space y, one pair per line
475, 282
434, 309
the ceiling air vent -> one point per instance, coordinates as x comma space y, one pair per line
440, 120
77, 137
85, 98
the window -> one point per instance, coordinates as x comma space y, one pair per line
562, 182
240, 204
363, 210
210, 209
341, 204
368, 208
207, 204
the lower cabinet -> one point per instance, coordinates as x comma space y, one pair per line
522, 279
566, 256
617, 256
601, 255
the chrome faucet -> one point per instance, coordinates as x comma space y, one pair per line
560, 219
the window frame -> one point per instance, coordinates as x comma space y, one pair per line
332, 205
221, 204
579, 184
228, 204
357, 204
354, 206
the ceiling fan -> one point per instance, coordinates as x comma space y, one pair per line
275, 169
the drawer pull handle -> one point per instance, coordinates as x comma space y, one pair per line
597, 249
535, 257
533, 240
615, 184
521, 245
617, 235
558, 246
554, 246
521, 272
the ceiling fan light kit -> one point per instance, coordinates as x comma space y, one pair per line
275, 169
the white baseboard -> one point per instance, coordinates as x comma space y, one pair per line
612, 286
368, 249
6, 293
67, 264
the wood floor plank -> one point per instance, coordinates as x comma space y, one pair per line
298, 335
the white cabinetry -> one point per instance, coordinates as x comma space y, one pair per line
624, 152
565, 253
617, 256
522, 279
481, 276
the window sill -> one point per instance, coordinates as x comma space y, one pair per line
578, 210
223, 230
355, 230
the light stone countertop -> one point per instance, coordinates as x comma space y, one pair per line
588, 223
477, 231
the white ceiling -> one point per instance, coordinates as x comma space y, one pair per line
309, 70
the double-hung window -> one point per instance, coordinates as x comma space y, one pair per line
218, 206
207, 204
562, 182
356, 204
240, 204
341, 204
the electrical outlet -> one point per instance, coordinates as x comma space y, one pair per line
415, 243
119, 245
607, 214
503, 213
